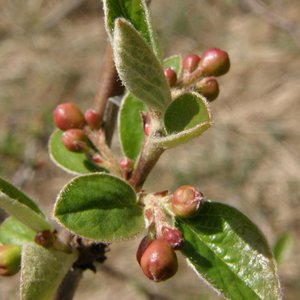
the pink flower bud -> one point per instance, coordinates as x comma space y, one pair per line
209, 88
215, 62
171, 76
190, 63
75, 140
68, 116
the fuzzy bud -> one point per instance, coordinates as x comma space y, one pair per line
209, 88
68, 116
171, 76
190, 63
159, 261
10, 259
75, 140
186, 201
215, 62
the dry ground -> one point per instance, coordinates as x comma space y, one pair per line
250, 158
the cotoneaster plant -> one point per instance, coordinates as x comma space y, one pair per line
165, 104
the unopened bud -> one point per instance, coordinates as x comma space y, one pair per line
215, 62
68, 116
92, 118
171, 76
209, 88
44, 238
173, 236
75, 140
186, 201
159, 261
10, 258
190, 62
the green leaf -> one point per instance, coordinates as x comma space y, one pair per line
20, 206
282, 247
134, 11
187, 117
100, 207
74, 163
138, 67
14, 232
131, 129
225, 248
175, 63
42, 271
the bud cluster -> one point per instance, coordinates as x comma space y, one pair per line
199, 72
70, 119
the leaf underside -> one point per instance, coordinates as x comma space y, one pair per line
14, 232
225, 248
138, 67
42, 271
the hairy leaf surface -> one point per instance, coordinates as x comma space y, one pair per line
101, 207
42, 271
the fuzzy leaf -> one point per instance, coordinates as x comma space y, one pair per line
131, 129
138, 67
20, 206
74, 163
225, 248
100, 207
14, 232
134, 11
187, 117
173, 62
42, 271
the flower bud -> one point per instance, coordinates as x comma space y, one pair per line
209, 88
10, 259
190, 62
173, 236
214, 62
186, 201
44, 238
75, 140
125, 163
171, 76
92, 118
68, 116
144, 244
159, 261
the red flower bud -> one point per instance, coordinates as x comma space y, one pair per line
75, 140
44, 238
186, 201
68, 116
173, 236
159, 261
10, 259
92, 118
171, 76
144, 244
209, 88
190, 62
215, 62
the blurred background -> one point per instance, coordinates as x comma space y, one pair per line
52, 52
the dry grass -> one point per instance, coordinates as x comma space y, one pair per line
250, 158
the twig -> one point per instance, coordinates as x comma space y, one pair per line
69, 285
109, 86
260, 9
